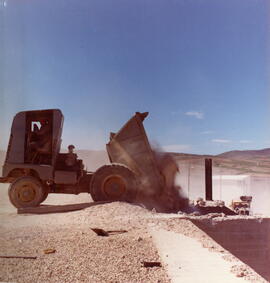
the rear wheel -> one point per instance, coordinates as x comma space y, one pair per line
113, 182
26, 191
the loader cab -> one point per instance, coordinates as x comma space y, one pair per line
35, 141
38, 138
35, 137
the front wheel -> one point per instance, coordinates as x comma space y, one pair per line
113, 182
26, 191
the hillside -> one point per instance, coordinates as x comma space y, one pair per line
93, 159
232, 162
246, 154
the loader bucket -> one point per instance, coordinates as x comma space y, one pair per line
130, 146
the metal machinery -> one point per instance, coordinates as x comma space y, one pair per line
35, 167
242, 206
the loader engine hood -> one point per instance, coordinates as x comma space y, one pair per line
130, 146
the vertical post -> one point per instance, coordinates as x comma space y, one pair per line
188, 177
220, 186
208, 179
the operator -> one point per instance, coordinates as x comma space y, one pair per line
41, 137
71, 158
40, 143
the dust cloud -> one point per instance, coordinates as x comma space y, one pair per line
192, 181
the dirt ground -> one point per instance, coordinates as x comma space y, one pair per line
79, 255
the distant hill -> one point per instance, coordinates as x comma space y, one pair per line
232, 162
93, 159
260, 154
246, 154
187, 156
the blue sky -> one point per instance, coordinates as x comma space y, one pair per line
200, 67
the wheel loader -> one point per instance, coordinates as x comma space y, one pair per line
34, 166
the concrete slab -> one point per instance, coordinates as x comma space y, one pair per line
187, 261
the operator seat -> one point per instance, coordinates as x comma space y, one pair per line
42, 154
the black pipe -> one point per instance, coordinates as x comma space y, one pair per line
208, 179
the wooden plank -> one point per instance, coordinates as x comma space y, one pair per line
44, 209
18, 256
151, 263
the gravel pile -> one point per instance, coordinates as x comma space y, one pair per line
79, 255
121, 212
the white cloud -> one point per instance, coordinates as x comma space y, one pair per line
245, 141
221, 141
196, 114
3, 4
176, 147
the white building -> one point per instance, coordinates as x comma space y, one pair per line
231, 187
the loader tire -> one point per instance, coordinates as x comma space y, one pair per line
113, 182
26, 191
